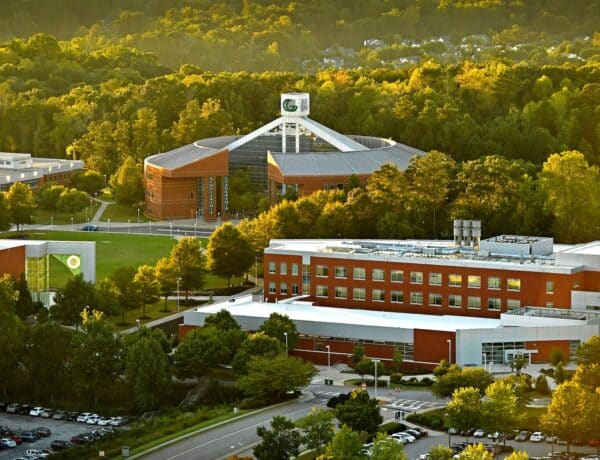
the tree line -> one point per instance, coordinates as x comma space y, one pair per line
508, 196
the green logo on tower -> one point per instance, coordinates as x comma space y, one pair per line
289, 106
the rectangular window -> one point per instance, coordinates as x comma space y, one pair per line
397, 276
294, 289
513, 284
283, 268
454, 280
341, 272
283, 288
455, 301
322, 271
474, 281
295, 269
435, 300
435, 279
494, 304
271, 287
474, 302
341, 292
306, 278
494, 282
377, 274
416, 277
359, 273
513, 304
549, 287
358, 294
549, 304
271, 267
416, 298
378, 295
321, 290
397, 297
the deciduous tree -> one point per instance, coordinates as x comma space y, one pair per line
317, 428
200, 350
360, 412
345, 444
501, 411
147, 286
258, 344
277, 326
386, 447
70, 300
564, 415
190, 264
229, 254
281, 442
465, 410
21, 204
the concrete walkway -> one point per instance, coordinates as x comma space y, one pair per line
100, 211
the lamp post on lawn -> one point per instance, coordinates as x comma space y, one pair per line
328, 362
484, 361
72, 227
108, 221
376, 362
196, 217
449, 351
128, 225
138, 209
286, 343
51, 220
138, 323
150, 227
178, 280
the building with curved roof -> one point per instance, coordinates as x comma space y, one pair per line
291, 152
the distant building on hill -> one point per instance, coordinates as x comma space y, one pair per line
22, 167
291, 152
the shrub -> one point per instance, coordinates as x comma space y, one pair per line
429, 420
341, 398
391, 427
541, 385
396, 377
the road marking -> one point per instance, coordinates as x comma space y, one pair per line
226, 435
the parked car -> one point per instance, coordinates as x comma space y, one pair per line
83, 417
47, 413
89, 228
409, 437
80, 439
7, 442
416, 433
479, 433
42, 431
72, 416
59, 415
36, 411
118, 421
13, 408
3, 406
551, 439
103, 421
28, 436
16, 438
36, 453
421, 430
594, 443
537, 436
522, 436
93, 419
59, 444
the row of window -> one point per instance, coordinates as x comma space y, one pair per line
397, 276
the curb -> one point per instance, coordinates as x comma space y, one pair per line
216, 425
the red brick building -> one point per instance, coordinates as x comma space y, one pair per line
291, 152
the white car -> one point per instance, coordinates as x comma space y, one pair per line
479, 433
36, 411
93, 419
537, 436
406, 437
103, 421
7, 442
83, 417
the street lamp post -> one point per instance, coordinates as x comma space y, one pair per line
376, 362
128, 225
150, 227
171, 229
72, 226
219, 218
449, 351
51, 220
196, 217
484, 361
286, 343
138, 323
108, 226
195, 229
178, 280
328, 362
138, 209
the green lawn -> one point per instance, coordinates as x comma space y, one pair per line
113, 250
122, 213
46, 217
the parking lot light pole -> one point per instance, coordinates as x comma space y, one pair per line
178, 280
484, 361
286, 343
328, 361
376, 362
449, 351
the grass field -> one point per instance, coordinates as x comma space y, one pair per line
46, 217
113, 250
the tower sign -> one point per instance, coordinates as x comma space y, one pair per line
295, 104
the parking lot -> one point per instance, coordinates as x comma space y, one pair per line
60, 429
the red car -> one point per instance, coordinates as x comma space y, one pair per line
16, 439
594, 443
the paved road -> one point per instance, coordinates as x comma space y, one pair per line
225, 440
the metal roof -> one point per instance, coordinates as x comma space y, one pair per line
190, 153
344, 163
